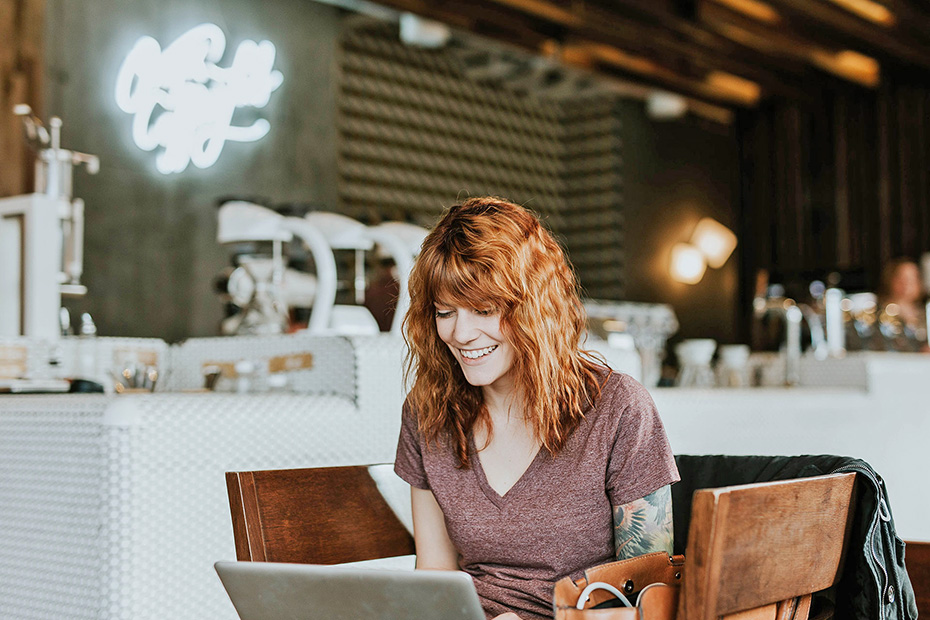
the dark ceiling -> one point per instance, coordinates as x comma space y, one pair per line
728, 53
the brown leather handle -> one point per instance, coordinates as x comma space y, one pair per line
628, 576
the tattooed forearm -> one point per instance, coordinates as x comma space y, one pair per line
645, 525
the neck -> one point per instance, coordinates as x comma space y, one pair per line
502, 404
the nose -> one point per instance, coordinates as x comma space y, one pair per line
466, 328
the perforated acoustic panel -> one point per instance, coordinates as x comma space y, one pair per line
417, 133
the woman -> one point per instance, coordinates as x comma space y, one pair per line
902, 315
528, 460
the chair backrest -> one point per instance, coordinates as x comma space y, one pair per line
765, 547
325, 515
918, 569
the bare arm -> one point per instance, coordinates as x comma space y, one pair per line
644, 525
434, 549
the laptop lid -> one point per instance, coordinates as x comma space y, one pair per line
275, 591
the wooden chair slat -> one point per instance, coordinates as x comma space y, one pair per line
750, 546
326, 515
918, 569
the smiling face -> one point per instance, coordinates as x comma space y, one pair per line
478, 344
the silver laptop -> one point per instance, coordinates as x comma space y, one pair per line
273, 591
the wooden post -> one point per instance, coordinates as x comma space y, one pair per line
22, 24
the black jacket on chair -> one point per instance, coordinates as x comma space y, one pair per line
874, 584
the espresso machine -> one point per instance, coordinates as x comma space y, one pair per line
262, 289
42, 236
256, 284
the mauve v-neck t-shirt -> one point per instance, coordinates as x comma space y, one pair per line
556, 520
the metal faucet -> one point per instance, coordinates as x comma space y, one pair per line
53, 177
816, 328
794, 314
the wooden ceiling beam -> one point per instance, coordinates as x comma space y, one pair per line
512, 26
616, 66
826, 23
774, 39
688, 42
648, 27
689, 50
618, 63
644, 41
546, 10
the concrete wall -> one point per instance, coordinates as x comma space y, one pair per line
150, 248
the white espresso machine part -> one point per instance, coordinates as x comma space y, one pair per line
42, 236
257, 283
265, 288
325, 295
401, 241
344, 233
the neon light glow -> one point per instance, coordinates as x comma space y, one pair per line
183, 102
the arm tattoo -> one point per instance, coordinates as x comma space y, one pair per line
645, 525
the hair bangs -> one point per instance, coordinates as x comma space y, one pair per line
458, 281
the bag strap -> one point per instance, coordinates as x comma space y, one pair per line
633, 574
600, 585
627, 576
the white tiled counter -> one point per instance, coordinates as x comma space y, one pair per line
116, 507
886, 424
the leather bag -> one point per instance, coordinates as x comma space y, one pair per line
655, 577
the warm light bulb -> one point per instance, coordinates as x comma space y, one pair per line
687, 264
715, 241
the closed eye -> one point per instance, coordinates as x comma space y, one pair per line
443, 314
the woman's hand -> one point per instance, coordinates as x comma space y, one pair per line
508, 616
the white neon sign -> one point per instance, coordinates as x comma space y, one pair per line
182, 101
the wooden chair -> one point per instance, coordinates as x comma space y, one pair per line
325, 515
758, 551
755, 552
918, 569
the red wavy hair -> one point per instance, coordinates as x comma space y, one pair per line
488, 252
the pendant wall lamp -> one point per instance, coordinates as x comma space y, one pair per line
711, 245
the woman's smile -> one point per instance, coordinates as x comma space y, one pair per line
476, 340
477, 354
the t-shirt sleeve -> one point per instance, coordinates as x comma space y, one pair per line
641, 460
408, 463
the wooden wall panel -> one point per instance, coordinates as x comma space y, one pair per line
842, 185
21, 73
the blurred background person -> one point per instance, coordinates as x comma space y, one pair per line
902, 309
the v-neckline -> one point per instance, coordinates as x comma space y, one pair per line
496, 498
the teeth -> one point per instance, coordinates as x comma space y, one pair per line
474, 354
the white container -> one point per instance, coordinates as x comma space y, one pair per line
694, 356
733, 366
